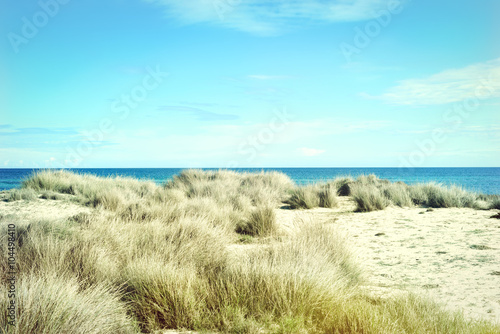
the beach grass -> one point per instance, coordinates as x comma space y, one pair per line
147, 258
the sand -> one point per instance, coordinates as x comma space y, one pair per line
451, 255
39, 209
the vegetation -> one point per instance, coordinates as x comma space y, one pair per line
203, 252
369, 198
304, 198
21, 194
262, 222
313, 196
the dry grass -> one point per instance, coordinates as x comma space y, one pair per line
304, 198
368, 198
52, 304
262, 222
21, 194
313, 196
153, 258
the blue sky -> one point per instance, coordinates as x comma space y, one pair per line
249, 83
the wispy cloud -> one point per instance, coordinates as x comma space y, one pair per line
269, 17
310, 152
480, 80
11, 131
200, 114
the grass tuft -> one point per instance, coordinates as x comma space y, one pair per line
327, 197
262, 222
21, 194
54, 304
304, 198
368, 198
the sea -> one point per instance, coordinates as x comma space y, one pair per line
482, 180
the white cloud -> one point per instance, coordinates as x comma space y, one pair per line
269, 17
480, 81
310, 152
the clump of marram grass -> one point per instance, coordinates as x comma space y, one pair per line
370, 179
438, 196
21, 194
110, 193
495, 204
305, 197
368, 198
225, 185
327, 196
313, 196
262, 222
52, 304
398, 194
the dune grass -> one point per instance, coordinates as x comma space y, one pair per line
21, 194
495, 204
371, 193
368, 198
51, 304
304, 198
262, 222
149, 258
313, 196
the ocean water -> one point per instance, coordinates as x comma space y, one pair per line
483, 180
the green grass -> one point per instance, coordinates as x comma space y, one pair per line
146, 258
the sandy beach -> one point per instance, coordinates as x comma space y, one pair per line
452, 254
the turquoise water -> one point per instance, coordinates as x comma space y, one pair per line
484, 180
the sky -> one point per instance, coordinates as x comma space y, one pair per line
249, 83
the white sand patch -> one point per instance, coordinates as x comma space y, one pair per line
451, 255
40, 209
